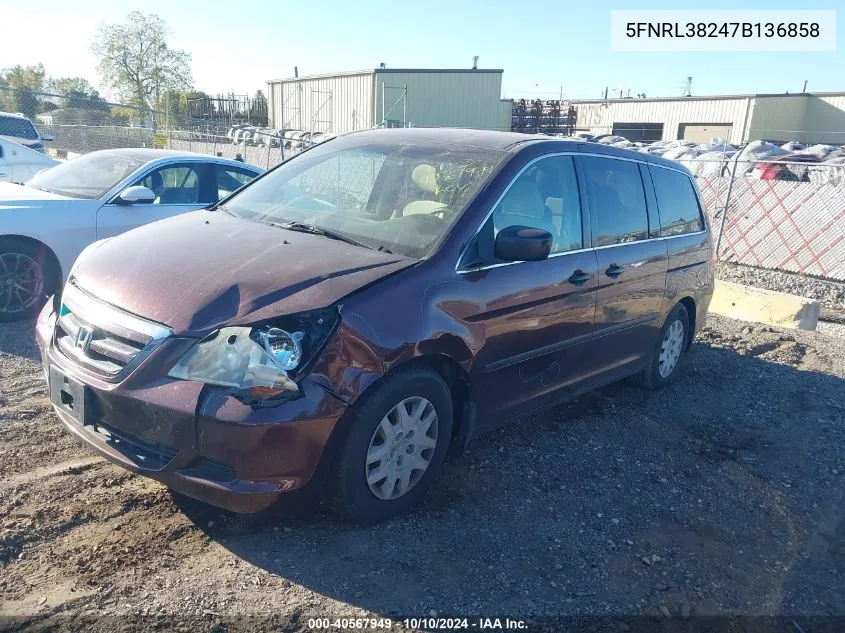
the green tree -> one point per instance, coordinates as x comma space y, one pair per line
136, 62
79, 93
24, 82
29, 77
258, 108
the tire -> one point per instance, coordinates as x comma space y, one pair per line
28, 275
363, 502
655, 375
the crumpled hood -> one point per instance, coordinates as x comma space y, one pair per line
199, 271
14, 196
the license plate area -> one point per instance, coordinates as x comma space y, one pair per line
69, 395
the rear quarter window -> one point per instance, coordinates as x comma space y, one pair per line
677, 202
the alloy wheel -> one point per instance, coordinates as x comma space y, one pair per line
21, 282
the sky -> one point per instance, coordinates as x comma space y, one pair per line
544, 46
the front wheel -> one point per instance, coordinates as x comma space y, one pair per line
395, 447
26, 279
669, 351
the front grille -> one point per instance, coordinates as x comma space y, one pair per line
150, 455
100, 338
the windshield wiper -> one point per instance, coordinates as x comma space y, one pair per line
318, 230
223, 208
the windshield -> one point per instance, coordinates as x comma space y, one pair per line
89, 176
17, 127
389, 196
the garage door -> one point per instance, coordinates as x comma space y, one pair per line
639, 131
703, 132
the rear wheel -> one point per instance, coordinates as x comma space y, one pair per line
395, 446
669, 351
27, 278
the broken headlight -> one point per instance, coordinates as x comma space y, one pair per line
262, 361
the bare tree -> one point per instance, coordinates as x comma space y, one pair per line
136, 62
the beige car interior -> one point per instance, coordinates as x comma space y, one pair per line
525, 205
425, 178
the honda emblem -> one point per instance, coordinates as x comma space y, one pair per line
83, 339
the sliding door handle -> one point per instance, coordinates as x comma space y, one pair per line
579, 277
614, 271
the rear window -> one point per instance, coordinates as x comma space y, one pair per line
676, 202
17, 127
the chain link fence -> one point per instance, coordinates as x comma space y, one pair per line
791, 223
262, 148
769, 212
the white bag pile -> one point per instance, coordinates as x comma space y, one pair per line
821, 150
610, 140
753, 153
830, 172
710, 164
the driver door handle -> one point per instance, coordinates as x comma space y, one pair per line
614, 270
579, 277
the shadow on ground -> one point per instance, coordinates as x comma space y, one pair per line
721, 494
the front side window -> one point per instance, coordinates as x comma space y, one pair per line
173, 184
391, 196
544, 196
617, 201
89, 176
677, 202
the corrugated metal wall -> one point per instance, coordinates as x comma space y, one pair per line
598, 118
505, 114
824, 121
778, 119
337, 104
443, 99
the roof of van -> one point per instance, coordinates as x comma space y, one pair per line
505, 141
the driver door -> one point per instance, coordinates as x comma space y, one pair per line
179, 188
537, 316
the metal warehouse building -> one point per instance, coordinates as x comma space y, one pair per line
804, 117
344, 102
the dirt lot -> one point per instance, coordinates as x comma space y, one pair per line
723, 494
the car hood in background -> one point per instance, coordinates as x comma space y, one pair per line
11, 193
199, 271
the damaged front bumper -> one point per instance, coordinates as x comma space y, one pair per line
191, 437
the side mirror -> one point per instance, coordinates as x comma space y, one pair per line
136, 195
48, 137
522, 244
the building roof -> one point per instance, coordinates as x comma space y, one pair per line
709, 98
353, 73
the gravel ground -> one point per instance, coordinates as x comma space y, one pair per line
722, 494
830, 294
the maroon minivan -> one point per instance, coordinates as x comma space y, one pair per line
350, 316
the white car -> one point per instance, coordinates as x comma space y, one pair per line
46, 223
19, 163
